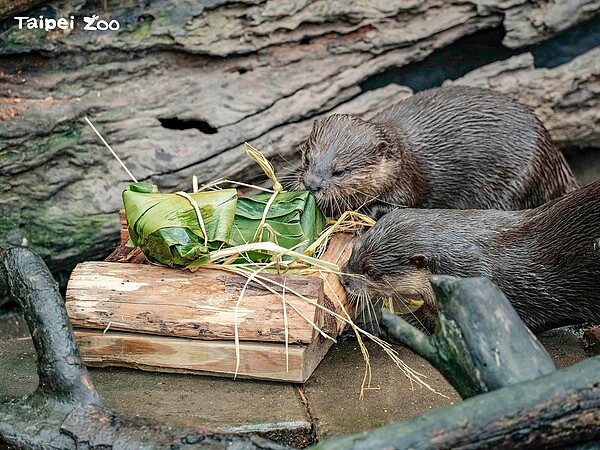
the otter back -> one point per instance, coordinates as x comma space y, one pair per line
451, 147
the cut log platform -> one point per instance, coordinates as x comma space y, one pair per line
137, 315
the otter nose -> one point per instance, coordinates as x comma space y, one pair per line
345, 280
313, 183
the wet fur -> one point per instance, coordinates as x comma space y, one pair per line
546, 260
451, 147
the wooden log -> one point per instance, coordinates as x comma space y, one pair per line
156, 300
202, 304
258, 360
479, 340
338, 251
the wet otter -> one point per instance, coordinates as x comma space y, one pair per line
546, 260
450, 147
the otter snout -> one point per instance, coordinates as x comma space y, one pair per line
345, 280
352, 282
313, 183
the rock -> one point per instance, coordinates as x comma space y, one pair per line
180, 87
565, 98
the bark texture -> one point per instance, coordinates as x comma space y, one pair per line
226, 72
479, 342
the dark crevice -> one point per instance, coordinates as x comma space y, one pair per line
483, 48
567, 45
585, 163
174, 123
451, 62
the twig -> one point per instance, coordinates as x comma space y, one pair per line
111, 150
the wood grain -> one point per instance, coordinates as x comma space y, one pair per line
202, 304
171, 354
157, 300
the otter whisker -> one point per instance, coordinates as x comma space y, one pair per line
373, 318
280, 154
404, 303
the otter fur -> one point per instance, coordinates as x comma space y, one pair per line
546, 260
450, 147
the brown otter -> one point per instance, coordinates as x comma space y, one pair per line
450, 147
546, 260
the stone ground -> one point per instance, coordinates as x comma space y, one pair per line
328, 404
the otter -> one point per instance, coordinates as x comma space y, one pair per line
546, 260
451, 147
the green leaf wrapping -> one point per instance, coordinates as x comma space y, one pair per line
166, 227
292, 218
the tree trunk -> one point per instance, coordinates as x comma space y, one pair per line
180, 86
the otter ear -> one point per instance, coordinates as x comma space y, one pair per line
419, 261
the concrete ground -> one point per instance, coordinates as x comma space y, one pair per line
328, 404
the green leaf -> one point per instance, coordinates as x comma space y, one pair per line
292, 218
166, 226
168, 231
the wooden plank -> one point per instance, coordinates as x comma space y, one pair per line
164, 301
338, 251
172, 354
202, 304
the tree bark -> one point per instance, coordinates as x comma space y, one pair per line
479, 342
226, 72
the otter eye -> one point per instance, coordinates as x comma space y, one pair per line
419, 261
370, 272
381, 146
339, 172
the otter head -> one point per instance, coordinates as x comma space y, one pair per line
346, 163
395, 258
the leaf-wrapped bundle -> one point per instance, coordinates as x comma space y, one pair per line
292, 218
167, 228
169, 232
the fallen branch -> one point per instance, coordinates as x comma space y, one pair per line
480, 342
556, 411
